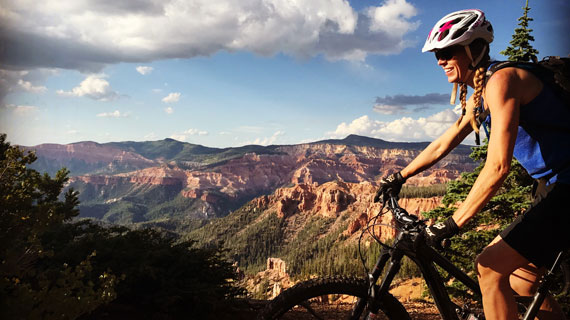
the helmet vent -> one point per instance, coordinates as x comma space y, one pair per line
443, 35
458, 33
469, 22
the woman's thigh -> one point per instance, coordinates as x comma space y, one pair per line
499, 260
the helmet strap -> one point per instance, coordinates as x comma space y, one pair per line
475, 62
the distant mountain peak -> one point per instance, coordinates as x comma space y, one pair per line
354, 138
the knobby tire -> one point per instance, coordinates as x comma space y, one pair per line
330, 299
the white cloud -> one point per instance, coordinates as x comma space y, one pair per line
144, 70
196, 132
403, 129
172, 97
179, 137
114, 114
362, 125
268, 140
190, 132
169, 110
94, 87
29, 87
393, 17
13, 81
89, 34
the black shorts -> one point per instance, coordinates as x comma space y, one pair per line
544, 229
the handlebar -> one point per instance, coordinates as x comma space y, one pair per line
410, 222
400, 214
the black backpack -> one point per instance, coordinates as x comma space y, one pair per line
554, 71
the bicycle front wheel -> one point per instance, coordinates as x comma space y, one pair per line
330, 298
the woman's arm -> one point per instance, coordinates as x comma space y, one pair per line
503, 98
440, 147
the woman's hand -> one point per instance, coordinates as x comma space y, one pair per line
390, 185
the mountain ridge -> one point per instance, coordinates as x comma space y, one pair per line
138, 182
173, 150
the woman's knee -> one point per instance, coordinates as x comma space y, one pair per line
491, 265
486, 262
487, 270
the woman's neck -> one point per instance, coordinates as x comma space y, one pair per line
469, 78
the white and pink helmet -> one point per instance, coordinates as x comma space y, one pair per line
459, 28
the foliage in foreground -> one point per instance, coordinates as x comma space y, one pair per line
51, 269
158, 275
29, 207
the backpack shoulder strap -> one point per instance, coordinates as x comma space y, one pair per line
498, 65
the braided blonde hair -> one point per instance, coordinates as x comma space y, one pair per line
479, 81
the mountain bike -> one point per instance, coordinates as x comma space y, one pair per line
369, 298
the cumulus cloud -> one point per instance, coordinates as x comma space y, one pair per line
89, 34
144, 70
403, 129
179, 137
94, 87
23, 80
196, 132
169, 110
400, 103
267, 140
114, 114
172, 97
188, 133
29, 87
393, 17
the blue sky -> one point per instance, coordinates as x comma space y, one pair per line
228, 73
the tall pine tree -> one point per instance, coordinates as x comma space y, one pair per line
520, 48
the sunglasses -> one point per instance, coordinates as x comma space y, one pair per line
445, 53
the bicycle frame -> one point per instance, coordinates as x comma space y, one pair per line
426, 258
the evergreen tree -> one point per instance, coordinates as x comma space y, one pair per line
511, 200
521, 49
51, 268
30, 206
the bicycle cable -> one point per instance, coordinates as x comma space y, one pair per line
367, 229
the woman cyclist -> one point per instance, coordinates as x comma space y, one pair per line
529, 121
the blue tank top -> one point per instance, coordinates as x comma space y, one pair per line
543, 140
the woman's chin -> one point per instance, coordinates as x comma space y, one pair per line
452, 79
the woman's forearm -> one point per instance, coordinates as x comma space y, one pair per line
427, 158
488, 182
435, 151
